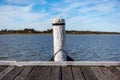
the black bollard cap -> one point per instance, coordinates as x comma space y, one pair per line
58, 21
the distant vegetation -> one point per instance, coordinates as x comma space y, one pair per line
25, 31
32, 31
90, 32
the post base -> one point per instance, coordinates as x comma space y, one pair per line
68, 58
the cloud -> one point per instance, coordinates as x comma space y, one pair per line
26, 2
75, 8
104, 8
20, 13
98, 16
79, 14
19, 16
68, 8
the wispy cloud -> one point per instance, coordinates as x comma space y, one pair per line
19, 16
26, 2
20, 13
86, 13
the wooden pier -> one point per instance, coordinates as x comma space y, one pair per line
59, 70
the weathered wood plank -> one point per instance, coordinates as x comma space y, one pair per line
23, 75
108, 73
44, 73
34, 75
77, 73
2, 68
115, 71
5, 72
40, 73
89, 75
55, 73
118, 68
99, 74
60, 73
67, 73
13, 73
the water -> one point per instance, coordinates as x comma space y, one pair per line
39, 47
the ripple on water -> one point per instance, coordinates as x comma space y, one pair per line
79, 47
4, 57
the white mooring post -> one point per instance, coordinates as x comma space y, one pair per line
59, 39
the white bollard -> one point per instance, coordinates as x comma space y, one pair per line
59, 39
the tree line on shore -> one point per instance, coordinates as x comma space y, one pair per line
32, 31
25, 31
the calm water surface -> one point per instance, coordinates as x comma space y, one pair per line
39, 47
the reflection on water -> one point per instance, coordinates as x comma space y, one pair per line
39, 47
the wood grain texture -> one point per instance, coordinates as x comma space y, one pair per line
23, 75
60, 73
106, 72
5, 72
44, 73
99, 74
115, 71
77, 73
34, 74
2, 68
12, 74
89, 75
55, 73
67, 73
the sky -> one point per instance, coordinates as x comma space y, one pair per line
90, 15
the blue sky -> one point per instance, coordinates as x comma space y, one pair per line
92, 15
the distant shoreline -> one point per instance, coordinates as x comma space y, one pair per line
49, 31
96, 33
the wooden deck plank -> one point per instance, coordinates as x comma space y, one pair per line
12, 74
44, 73
118, 68
89, 75
55, 73
77, 73
106, 72
5, 72
60, 73
40, 73
2, 68
67, 73
34, 75
23, 75
115, 71
99, 74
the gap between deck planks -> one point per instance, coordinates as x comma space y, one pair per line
59, 73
